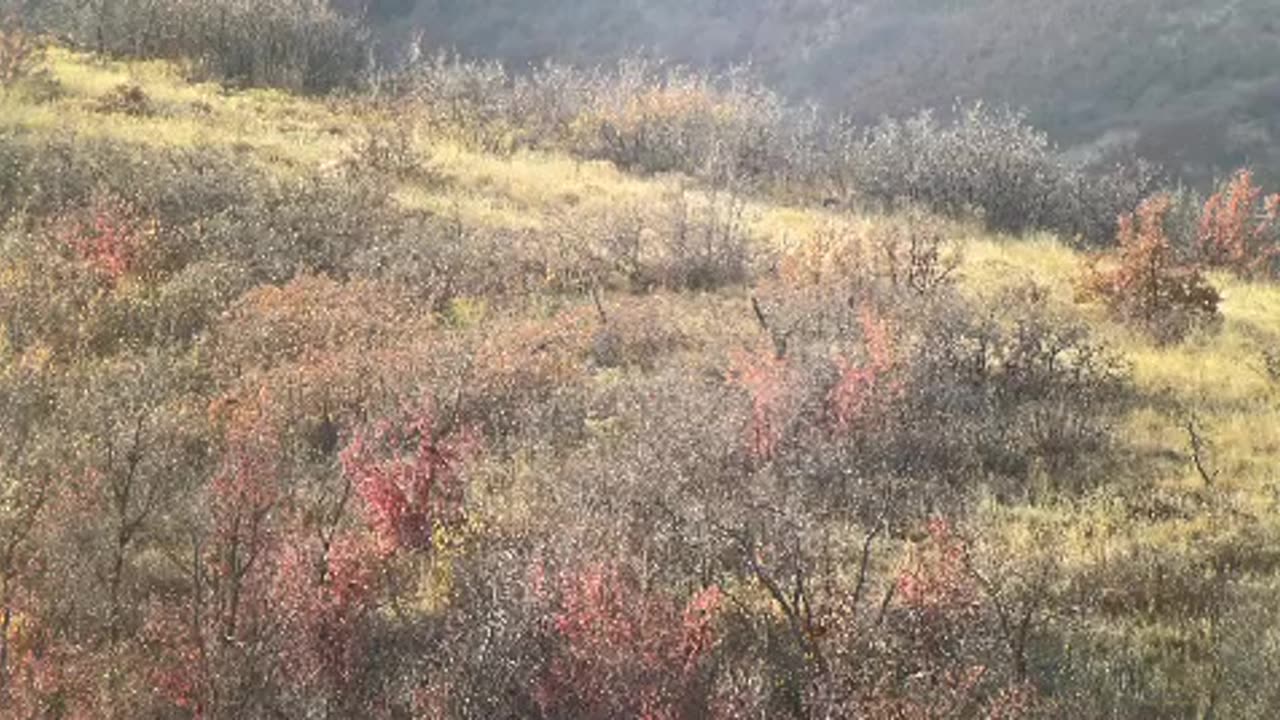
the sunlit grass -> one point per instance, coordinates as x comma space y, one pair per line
1213, 379
273, 127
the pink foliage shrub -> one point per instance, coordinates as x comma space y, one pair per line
409, 478
763, 375
111, 243
860, 385
627, 651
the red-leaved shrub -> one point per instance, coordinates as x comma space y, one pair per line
860, 385
763, 375
1237, 228
624, 650
409, 477
1148, 284
112, 241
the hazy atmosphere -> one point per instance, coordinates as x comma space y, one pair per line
1191, 84
435, 359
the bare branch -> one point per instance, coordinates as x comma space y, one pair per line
1198, 449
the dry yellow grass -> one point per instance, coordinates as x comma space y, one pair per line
1214, 377
1215, 374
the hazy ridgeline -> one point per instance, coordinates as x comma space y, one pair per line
1191, 84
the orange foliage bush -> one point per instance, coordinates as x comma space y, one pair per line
763, 375
1149, 285
859, 385
1238, 228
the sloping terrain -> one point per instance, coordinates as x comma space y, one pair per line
223, 301
1189, 83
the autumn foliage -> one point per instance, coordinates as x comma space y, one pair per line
1238, 229
628, 651
409, 479
1145, 282
112, 241
860, 385
278, 447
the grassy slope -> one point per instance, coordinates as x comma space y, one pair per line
1213, 374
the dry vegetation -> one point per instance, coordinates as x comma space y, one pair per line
573, 398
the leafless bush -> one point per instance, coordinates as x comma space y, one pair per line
19, 51
127, 99
995, 165
916, 252
442, 260
471, 101
388, 148
691, 241
932, 387
659, 119
299, 44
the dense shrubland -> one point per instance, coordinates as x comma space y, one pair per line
282, 444
296, 44
1190, 83
728, 129
725, 128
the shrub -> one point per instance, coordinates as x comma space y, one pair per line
470, 101
409, 477
113, 243
640, 332
1238, 228
442, 261
307, 319
910, 251
994, 164
297, 44
689, 241
654, 121
1149, 285
19, 51
128, 99
625, 651
1012, 396
730, 131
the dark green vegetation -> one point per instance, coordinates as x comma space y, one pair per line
335, 392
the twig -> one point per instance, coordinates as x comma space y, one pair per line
595, 298
779, 341
865, 562
1197, 452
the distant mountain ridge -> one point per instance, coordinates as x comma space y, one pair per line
1193, 84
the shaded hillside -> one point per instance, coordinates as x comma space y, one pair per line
1192, 83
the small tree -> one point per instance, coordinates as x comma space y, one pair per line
19, 52
1237, 228
1149, 285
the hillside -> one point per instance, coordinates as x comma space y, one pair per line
1189, 83
325, 407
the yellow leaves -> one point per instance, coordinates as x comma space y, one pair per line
14, 275
466, 312
36, 358
671, 103
832, 254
